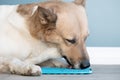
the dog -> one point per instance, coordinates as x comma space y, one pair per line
39, 33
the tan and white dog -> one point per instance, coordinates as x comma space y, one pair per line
36, 33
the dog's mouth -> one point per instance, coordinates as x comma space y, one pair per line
70, 65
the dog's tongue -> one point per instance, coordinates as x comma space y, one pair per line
69, 66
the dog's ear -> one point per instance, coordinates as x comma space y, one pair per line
80, 2
46, 15
26, 9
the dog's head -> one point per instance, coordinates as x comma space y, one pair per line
65, 25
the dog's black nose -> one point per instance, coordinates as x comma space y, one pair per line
85, 64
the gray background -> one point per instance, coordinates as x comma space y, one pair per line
103, 17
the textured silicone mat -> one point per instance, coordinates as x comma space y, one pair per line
48, 70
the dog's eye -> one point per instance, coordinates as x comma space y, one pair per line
73, 41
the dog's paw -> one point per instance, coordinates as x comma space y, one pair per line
29, 70
18, 67
33, 70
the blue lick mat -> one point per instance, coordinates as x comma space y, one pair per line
48, 70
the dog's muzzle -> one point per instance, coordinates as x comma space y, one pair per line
81, 65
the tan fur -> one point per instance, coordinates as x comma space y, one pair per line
25, 9
80, 2
47, 31
39, 26
63, 31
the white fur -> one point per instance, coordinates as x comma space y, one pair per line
34, 9
18, 48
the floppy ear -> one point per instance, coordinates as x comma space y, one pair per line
41, 22
46, 15
80, 2
26, 9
